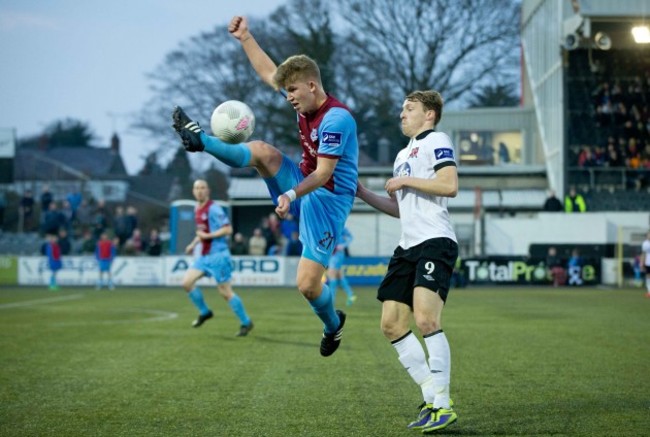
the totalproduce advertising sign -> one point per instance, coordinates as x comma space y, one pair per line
522, 270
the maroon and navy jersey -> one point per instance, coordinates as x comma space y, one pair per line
105, 250
209, 218
53, 251
331, 132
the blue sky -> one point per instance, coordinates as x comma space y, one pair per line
89, 59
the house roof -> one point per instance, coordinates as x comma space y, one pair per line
67, 163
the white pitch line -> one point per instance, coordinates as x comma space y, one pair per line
41, 301
160, 316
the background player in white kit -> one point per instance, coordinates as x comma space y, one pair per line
645, 262
419, 272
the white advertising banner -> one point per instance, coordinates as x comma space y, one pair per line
83, 270
148, 271
247, 270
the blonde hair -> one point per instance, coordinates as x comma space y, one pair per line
431, 100
297, 68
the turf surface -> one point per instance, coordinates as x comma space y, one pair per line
537, 361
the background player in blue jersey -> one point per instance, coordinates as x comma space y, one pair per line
335, 275
320, 191
212, 227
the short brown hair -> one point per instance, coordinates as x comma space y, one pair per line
297, 68
431, 100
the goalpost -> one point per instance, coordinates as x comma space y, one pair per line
628, 246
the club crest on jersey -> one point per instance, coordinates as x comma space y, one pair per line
444, 153
314, 135
402, 170
414, 152
332, 138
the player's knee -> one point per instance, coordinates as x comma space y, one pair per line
392, 330
188, 284
426, 323
265, 155
309, 289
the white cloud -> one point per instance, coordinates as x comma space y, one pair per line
11, 20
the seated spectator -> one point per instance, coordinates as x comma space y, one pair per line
633, 156
84, 215
53, 220
257, 243
238, 245
288, 225
64, 242
153, 244
586, 158
268, 232
294, 246
133, 246
614, 158
87, 243
276, 249
46, 198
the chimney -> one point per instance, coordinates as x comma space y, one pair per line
115, 143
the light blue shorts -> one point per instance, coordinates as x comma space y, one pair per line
321, 213
55, 265
337, 260
217, 266
104, 265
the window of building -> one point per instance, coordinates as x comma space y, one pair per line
489, 147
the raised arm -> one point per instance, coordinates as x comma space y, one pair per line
258, 58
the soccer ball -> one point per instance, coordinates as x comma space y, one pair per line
232, 122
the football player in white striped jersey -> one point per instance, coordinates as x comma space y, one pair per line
419, 272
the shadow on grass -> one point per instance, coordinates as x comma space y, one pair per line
276, 340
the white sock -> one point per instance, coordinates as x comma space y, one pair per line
440, 365
647, 283
411, 355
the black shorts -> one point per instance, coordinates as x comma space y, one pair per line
429, 265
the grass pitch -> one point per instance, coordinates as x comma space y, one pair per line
535, 361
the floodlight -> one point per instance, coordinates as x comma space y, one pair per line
641, 34
603, 41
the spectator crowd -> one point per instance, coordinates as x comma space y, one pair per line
79, 223
621, 108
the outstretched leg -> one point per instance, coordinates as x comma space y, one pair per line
263, 156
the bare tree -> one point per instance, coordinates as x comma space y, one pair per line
371, 53
211, 68
449, 45
393, 48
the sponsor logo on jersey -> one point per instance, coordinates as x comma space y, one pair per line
314, 135
402, 170
332, 138
444, 153
414, 152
